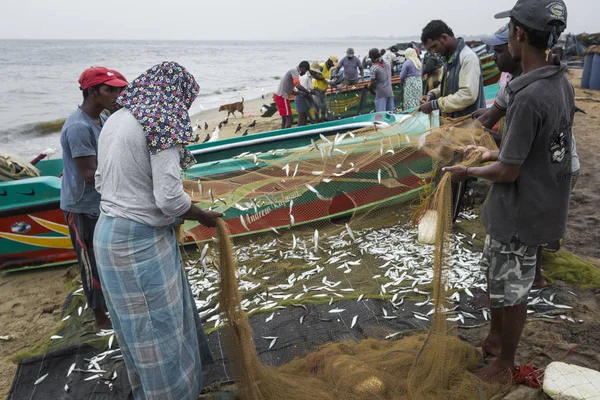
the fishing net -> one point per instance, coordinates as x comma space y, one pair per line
338, 195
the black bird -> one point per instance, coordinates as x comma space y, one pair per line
239, 128
207, 138
225, 122
263, 96
245, 133
197, 139
205, 126
252, 125
220, 125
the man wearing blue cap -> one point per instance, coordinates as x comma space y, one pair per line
506, 63
529, 200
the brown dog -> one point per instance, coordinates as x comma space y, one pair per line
233, 107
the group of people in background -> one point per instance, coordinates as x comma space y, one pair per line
308, 83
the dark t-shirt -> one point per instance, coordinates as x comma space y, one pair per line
538, 137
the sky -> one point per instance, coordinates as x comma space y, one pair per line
258, 19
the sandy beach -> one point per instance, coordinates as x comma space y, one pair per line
30, 303
252, 112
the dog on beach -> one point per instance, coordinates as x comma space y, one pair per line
233, 107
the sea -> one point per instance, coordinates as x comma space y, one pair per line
39, 89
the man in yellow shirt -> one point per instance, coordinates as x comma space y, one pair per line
321, 78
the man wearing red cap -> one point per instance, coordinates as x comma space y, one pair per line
78, 198
110, 111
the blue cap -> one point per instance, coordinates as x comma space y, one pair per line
497, 39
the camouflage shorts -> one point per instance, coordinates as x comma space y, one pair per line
511, 271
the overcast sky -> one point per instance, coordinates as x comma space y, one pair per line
258, 19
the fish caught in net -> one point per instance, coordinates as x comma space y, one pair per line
332, 189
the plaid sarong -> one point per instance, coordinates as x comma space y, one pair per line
152, 309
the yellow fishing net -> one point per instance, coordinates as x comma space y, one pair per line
376, 179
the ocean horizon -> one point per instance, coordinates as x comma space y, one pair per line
40, 76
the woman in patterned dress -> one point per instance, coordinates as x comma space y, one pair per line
412, 80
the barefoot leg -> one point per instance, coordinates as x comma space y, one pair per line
512, 324
539, 281
102, 321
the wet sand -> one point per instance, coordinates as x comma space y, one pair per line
30, 302
252, 112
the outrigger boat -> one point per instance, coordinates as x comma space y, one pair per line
33, 231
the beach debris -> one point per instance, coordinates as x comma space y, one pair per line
40, 380
6, 338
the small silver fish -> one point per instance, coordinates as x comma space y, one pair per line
270, 318
350, 233
71, 368
91, 378
316, 240
337, 311
40, 380
354, 321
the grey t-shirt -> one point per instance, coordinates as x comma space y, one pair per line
538, 137
78, 138
134, 184
351, 67
501, 102
290, 80
382, 76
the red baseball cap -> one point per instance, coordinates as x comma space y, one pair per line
119, 75
100, 75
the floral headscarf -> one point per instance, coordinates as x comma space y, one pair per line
160, 99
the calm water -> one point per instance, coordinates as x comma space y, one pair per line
39, 78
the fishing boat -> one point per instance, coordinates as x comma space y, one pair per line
33, 230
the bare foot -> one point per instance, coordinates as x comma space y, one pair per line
491, 347
479, 301
540, 282
102, 320
498, 371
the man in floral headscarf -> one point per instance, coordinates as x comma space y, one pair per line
149, 299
